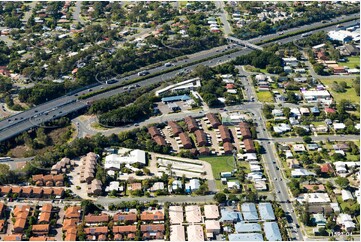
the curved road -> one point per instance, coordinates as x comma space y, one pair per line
62, 106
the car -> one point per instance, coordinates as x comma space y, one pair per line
277, 168
101, 87
16, 118
76, 95
136, 124
60, 111
280, 179
54, 116
278, 191
264, 129
36, 111
275, 178
229, 56
281, 33
274, 162
297, 226
90, 90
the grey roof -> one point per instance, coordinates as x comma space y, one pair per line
242, 227
266, 211
227, 215
272, 231
245, 237
249, 211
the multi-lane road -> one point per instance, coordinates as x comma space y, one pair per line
62, 106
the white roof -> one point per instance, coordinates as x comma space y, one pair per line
212, 225
339, 126
335, 207
282, 127
313, 198
177, 85
301, 172
177, 233
114, 185
347, 163
114, 160
289, 154
320, 93
346, 220
193, 214
298, 147
232, 184
290, 59
250, 156
346, 195
211, 211
318, 46
194, 184
195, 233
176, 214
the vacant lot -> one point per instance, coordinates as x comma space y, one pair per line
350, 93
265, 96
220, 164
351, 63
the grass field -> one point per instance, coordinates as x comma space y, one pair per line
350, 93
220, 164
265, 96
351, 63
183, 3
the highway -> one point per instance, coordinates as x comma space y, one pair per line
62, 106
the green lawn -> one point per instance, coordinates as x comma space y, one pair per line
265, 96
352, 157
220, 164
183, 3
350, 93
318, 123
245, 166
351, 63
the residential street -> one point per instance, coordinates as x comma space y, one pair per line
227, 29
